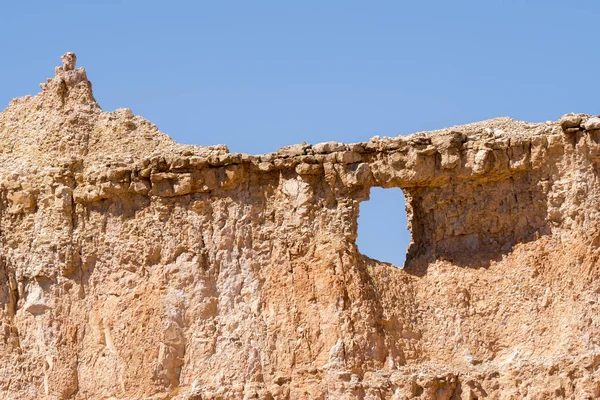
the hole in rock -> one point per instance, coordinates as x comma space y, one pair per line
382, 228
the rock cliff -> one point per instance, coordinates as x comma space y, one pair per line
135, 267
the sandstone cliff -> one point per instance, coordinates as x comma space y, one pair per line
135, 267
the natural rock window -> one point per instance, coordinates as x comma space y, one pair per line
382, 226
132, 266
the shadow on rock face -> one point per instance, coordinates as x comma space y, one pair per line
472, 225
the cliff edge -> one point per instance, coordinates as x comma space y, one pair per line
136, 267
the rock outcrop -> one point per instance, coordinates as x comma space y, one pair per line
135, 267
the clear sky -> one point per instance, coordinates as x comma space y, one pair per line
259, 75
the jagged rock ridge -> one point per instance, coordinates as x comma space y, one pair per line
135, 267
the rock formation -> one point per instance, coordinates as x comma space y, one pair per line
135, 267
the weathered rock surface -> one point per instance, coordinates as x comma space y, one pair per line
135, 267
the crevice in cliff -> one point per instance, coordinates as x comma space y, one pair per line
382, 226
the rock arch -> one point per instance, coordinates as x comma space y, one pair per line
192, 270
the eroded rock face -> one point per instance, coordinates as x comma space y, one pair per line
135, 267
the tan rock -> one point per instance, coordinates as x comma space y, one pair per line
592, 124
329, 147
135, 267
570, 121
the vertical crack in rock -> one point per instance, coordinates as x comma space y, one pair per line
133, 266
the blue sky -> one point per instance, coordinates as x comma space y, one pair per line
263, 74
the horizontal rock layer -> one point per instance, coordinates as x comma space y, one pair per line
135, 267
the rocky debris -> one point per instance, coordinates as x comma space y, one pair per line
570, 122
135, 267
592, 124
